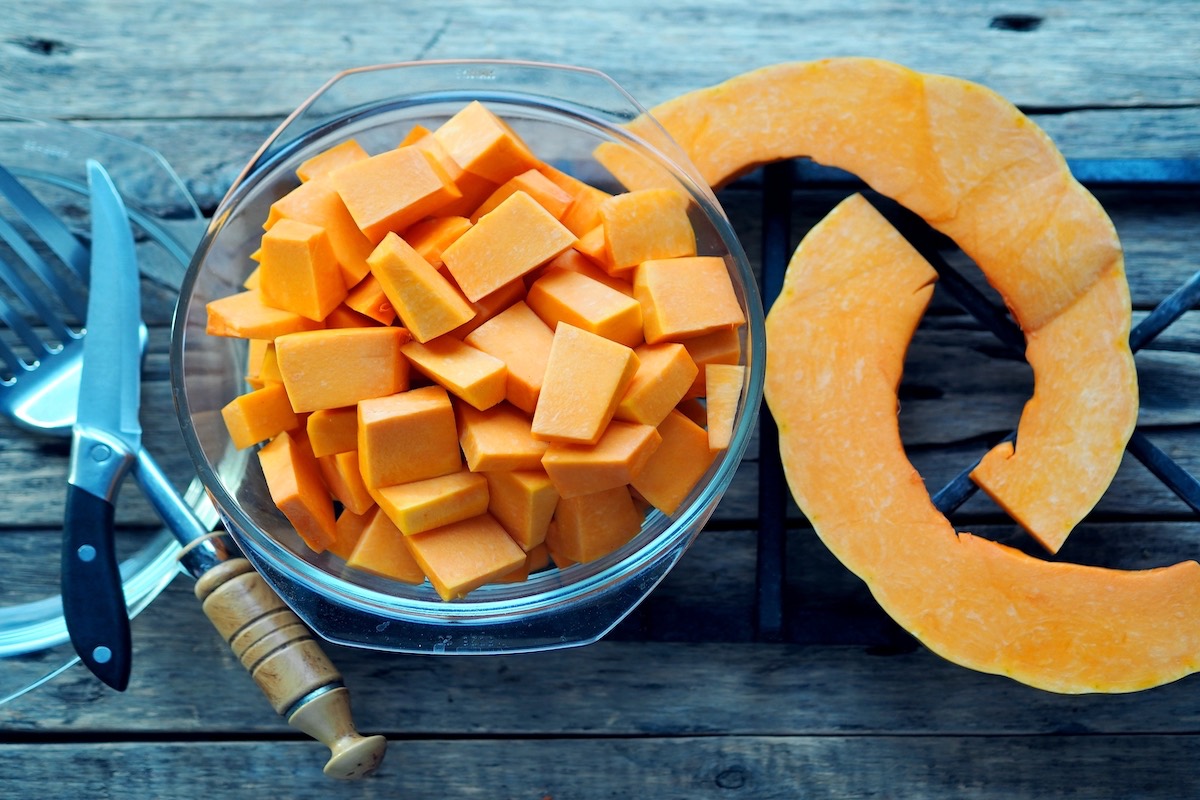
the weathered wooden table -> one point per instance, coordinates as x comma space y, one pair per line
760, 667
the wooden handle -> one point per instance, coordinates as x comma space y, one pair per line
288, 664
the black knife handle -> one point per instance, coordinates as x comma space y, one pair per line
92, 594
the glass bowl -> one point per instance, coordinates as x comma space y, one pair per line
564, 113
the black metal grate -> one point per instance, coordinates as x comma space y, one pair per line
778, 182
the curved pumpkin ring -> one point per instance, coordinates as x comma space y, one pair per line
978, 170
833, 369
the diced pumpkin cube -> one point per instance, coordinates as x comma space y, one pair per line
723, 390
685, 297
498, 439
523, 501
369, 299
572, 260
474, 188
350, 527
463, 556
393, 189
244, 315
328, 160
381, 550
433, 502
299, 271
317, 202
593, 525
615, 460
594, 245
536, 559
490, 305
561, 295
516, 237
586, 375
520, 339
297, 489
646, 224
332, 430
584, 212
259, 415
427, 304
484, 145
664, 375
256, 353
469, 374
333, 368
344, 480
676, 466
722, 346
408, 436
430, 237
547, 194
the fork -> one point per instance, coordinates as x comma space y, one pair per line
42, 393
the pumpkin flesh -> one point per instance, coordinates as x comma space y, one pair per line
978, 170
831, 383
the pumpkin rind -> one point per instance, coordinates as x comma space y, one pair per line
836, 339
977, 169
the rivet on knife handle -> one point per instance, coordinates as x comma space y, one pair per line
288, 664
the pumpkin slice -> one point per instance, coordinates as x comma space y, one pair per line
833, 369
977, 169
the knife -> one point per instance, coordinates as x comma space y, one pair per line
105, 441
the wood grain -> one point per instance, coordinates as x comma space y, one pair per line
682, 699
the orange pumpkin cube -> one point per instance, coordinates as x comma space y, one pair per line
615, 460
407, 436
259, 415
427, 304
433, 502
333, 368
664, 375
561, 295
516, 237
299, 271
467, 373
245, 315
646, 224
392, 190
465, 555
484, 145
344, 480
675, 468
586, 375
685, 297
296, 487
520, 339
589, 526
499, 438
523, 501
381, 550
317, 202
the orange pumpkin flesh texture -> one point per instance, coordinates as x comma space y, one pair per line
854, 293
975, 168
979, 171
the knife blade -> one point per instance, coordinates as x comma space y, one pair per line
105, 441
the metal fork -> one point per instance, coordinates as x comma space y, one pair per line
41, 388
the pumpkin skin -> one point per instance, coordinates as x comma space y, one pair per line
854, 293
978, 170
